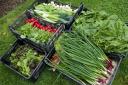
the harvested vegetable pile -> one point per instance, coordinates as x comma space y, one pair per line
25, 60
83, 60
36, 32
54, 13
106, 31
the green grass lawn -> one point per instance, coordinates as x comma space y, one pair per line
47, 77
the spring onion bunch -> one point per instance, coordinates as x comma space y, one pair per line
83, 60
54, 13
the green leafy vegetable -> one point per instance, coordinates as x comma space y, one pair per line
54, 13
34, 34
25, 60
107, 31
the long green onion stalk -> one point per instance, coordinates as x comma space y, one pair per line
81, 59
54, 13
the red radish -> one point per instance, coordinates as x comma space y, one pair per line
35, 23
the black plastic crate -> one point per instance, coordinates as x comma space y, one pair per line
46, 45
126, 23
72, 19
114, 56
37, 70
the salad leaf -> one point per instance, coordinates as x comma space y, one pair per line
34, 34
25, 59
106, 31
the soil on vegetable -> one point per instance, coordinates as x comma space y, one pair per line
8, 5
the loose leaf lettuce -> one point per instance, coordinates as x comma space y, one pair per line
34, 34
107, 31
25, 60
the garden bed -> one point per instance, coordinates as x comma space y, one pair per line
8, 5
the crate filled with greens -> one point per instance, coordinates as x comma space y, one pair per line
36, 32
83, 61
24, 59
55, 12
